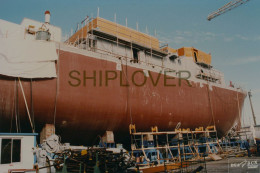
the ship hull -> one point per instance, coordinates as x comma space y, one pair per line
91, 95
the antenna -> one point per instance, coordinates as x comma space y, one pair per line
126, 22
115, 17
146, 29
77, 27
98, 12
137, 28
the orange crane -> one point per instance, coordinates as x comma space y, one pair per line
229, 6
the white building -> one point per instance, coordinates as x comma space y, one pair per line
16, 151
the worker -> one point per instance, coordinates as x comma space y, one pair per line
247, 146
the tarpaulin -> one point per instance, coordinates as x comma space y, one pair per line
25, 58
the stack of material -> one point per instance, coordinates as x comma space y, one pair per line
215, 157
46, 132
108, 137
233, 152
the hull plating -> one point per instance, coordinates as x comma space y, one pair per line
85, 111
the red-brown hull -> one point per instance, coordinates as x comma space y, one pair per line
84, 111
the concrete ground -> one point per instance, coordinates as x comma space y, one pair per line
235, 164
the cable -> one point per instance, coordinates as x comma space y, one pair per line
57, 84
32, 107
12, 110
16, 106
29, 116
243, 116
239, 113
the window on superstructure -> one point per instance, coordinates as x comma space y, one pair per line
16, 152
135, 55
10, 151
173, 58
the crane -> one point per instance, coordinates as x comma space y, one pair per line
229, 6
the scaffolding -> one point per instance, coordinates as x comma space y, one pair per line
119, 31
173, 149
98, 28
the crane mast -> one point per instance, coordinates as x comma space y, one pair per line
225, 8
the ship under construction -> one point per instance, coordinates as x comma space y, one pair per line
104, 77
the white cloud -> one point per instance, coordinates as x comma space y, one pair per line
186, 37
245, 60
179, 39
191, 37
257, 38
242, 37
164, 39
187, 33
228, 39
256, 91
210, 34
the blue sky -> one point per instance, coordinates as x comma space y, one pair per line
233, 38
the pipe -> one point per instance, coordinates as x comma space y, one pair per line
47, 17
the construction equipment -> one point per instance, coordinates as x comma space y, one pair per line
93, 160
53, 156
229, 6
157, 151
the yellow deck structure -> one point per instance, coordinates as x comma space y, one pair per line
198, 55
120, 31
133, 36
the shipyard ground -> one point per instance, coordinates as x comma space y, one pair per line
234, 164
